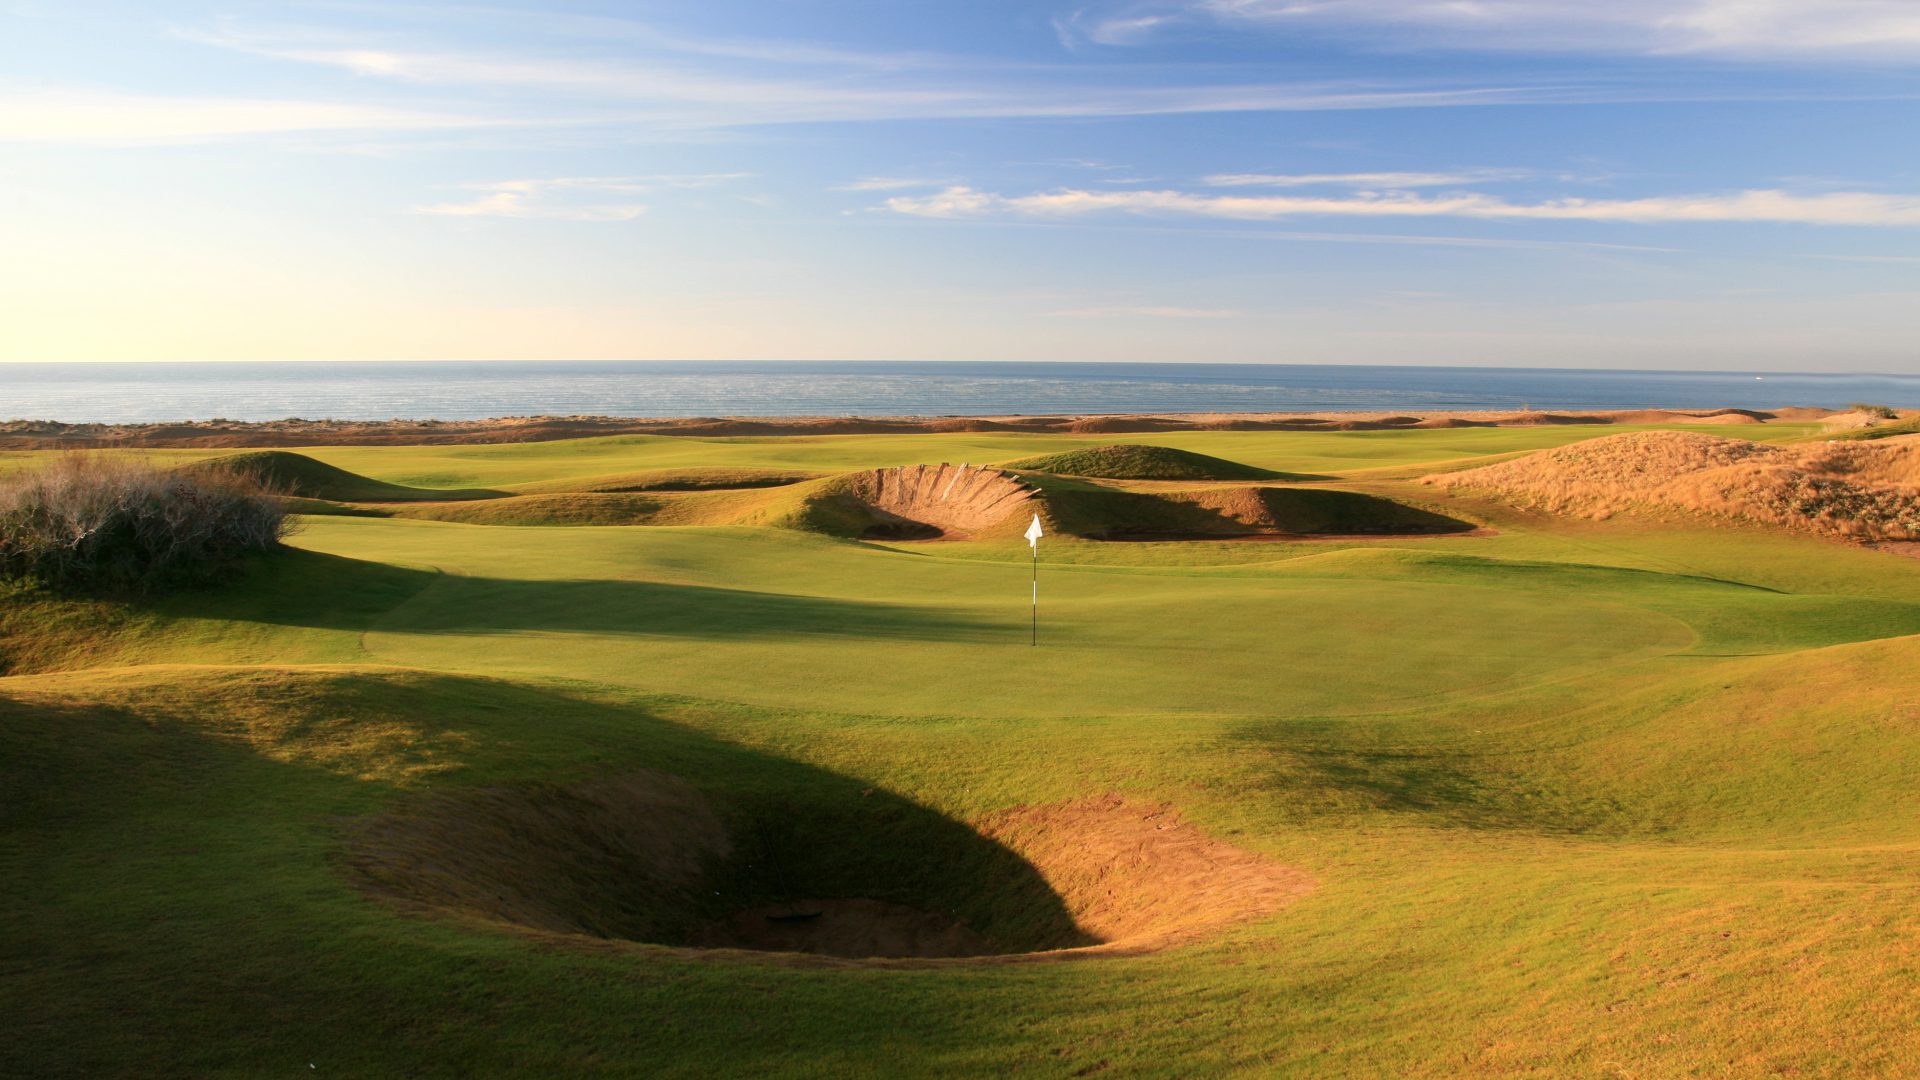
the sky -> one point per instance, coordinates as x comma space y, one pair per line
1692, 184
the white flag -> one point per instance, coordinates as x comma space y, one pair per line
1034, 533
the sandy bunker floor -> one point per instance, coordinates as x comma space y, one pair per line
634, 859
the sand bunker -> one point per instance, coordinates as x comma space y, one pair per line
644, 858
928, 501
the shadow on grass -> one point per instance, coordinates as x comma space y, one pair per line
464, 605
308, 589
1444, 787
237, 769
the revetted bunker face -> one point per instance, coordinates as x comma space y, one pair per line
644, 858
928, 501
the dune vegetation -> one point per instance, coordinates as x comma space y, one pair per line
1867, 490
1551, 767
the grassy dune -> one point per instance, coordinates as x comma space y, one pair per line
1628, 797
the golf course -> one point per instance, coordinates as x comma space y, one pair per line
1535, 751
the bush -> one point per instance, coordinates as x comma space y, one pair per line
1884, 412
101, 524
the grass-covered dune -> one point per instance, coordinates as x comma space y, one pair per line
1559, 797
1127, 461
304, 477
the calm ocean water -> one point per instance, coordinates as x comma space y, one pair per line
132, 393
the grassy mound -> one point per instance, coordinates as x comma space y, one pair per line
303, 477
720, 507
1322, 512
1130, 461
1848, 489
699, 479
1106, 513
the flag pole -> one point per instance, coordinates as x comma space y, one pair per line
1034, 533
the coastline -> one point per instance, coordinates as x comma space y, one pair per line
214, 434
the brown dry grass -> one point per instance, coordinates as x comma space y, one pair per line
1855, 490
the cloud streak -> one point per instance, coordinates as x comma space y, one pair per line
1144, 312
1397, 181
98, 117
568, 198
1768, 206
1749, 29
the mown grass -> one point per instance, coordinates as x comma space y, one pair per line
1622, 798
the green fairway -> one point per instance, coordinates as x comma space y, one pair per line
1558, 797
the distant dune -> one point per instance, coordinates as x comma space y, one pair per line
1855, 489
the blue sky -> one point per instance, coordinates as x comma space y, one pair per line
1686, 184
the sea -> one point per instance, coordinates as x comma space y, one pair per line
127, 393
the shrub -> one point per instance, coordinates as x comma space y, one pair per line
100, 524
1884, 412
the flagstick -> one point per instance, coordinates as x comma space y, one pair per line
1034, 533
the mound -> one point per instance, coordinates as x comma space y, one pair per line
725, 506
699, 479
1103, 513
1730, 416
1543, 419
968, 424
645, 858
914, 502
567, 509
1128, 461
1121, 425
303, 477
1322, 512
1859, 490
1650, 416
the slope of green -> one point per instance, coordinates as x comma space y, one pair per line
1127, 461
304, 477
1578, 798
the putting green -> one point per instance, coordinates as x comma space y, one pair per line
752, 616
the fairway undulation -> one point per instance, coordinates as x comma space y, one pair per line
684, 757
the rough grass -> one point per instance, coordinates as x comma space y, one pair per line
1870, 434
1866, 491
83, 523
1128, 461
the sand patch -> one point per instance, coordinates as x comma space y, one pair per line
643, 858
931, 501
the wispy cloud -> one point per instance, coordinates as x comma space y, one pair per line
568, 198
689, 88
1145, 312
892, 183
1761, 29
1894, 260
1394, 181
59, 116
1832, 208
